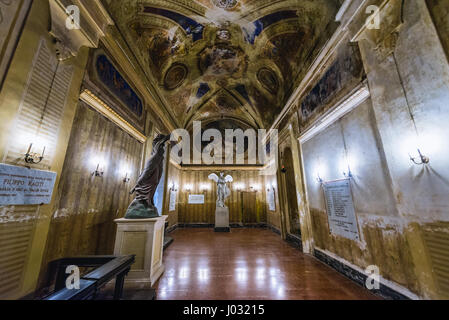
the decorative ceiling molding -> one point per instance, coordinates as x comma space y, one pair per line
157, 40
93, 23
346, 105
186, 7
99, 105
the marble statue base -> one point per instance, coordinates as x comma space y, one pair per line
145, 239
222, 220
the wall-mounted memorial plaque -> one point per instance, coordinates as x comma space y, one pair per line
172, 203
196, 198
23, 186
340, 209
271, 199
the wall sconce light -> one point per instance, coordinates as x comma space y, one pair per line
348, 174
98, 172
126, 179
204, 187
239, 186
421, 159
347, 163
188, 187
32, 157
320, 171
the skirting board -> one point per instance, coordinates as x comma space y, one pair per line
294, 241
385, 291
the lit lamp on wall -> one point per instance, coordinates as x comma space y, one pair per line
174, 187
126, 179
413, 146
188, 187
419, 159
124, 172
345, 166
205, 187
239, 186
99, 171
319, 171
33, 157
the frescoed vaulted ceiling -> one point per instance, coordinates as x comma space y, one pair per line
233, 60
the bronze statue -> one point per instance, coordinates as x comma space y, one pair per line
143, 205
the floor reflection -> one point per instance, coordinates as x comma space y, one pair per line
246, 264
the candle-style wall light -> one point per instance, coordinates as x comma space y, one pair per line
124, 172
346, 165
99, 172
127, 178
420, 159
33, 157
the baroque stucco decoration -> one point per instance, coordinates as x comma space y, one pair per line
175, 76
250, 53
92, 26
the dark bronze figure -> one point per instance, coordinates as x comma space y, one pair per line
143, 205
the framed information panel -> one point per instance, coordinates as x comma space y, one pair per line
340, 209
196, 198
172, 203
23, 186
271, 199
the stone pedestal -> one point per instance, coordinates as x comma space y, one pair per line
145, 239
222, 220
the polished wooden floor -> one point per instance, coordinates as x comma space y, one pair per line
247, 264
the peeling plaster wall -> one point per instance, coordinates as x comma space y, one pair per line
383, 241
401, 208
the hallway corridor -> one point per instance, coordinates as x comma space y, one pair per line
247, 264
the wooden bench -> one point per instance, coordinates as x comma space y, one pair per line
106, 269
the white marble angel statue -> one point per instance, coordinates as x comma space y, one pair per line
222, 189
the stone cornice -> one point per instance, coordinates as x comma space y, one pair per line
99, 105
94, 20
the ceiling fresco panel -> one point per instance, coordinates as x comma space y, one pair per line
225, 59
